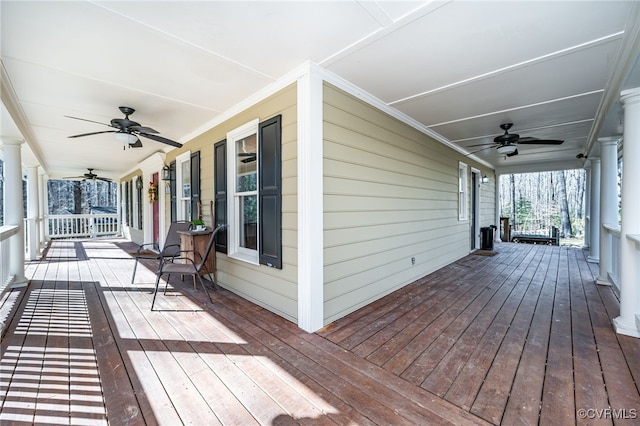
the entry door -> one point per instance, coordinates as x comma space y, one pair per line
155, 207
474, 210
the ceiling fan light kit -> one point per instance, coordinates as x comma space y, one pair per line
126, 138
507, 149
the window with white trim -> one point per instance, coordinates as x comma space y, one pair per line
126, 202
242, 196
183, 186
248, 192
135, 208
463, 192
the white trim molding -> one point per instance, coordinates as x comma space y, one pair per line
475, 206
150, 165
235, 249
180, 211
463, 192
627, 322
310, 202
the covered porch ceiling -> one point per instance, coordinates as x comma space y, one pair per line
554, 69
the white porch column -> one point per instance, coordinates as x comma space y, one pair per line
608, 203
587, 205
594, 221
496, 234
628, 322
13, 210
33, 232
119, 209
310, 202
44, 209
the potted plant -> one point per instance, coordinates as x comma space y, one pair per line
197, 224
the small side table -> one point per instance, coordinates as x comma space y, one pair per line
197, 241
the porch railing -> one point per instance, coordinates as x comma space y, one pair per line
82, 225
613, 244
6, 232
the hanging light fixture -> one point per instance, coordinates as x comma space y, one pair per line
126, 138
485, 179
166, 173
507, 149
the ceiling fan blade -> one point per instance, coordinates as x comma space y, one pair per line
481, 149
137, 144
92, 133
482, 144
160, 139
534, 141
143, 129
103, 179
246, 154
90, 121
513, 153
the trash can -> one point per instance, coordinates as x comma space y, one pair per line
486, 238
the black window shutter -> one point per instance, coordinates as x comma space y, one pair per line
195, 184
139, 204
270, 192
220, 189
130, 206
172, 183
127, 202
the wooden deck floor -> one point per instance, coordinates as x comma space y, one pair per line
520, 337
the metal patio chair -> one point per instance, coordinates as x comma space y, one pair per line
171, 246
183, 265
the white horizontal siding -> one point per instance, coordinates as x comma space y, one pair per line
390, 194
487, 203
273, 289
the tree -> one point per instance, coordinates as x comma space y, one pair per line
77, 197
512, 180
579, 196
535, 202
566, 230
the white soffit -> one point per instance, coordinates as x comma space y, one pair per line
547, 80
466, 47
107, 36
243, 32
548, 114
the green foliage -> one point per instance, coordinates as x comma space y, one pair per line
523, 213
536, 201
248, 183
250, 209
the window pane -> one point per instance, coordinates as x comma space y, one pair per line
187, 210
248, 222
246, 164
186, 179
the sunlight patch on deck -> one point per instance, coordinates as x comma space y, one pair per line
53, 377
